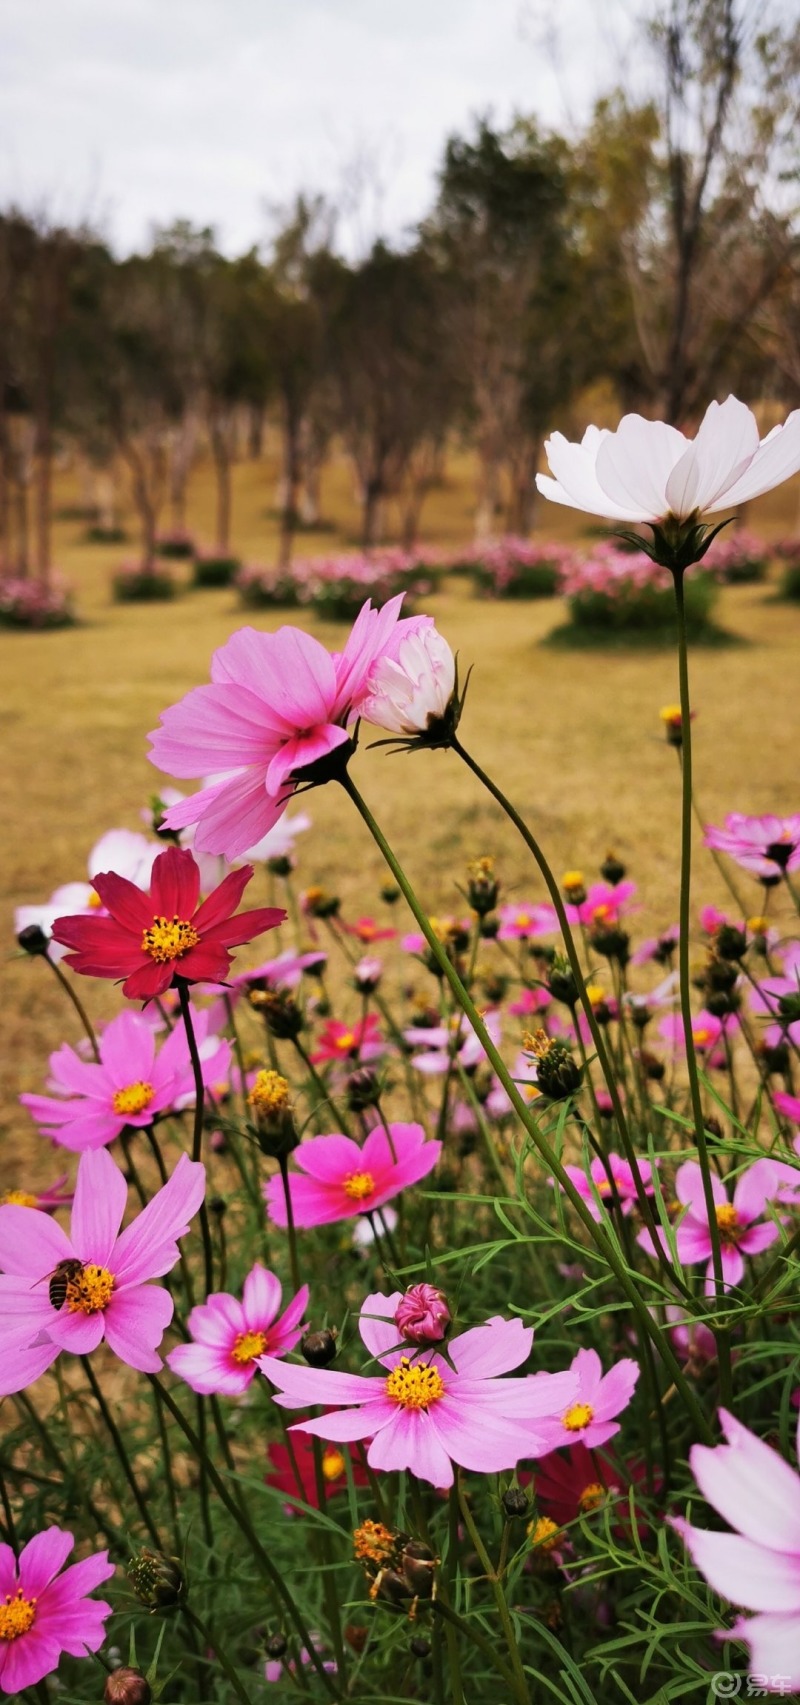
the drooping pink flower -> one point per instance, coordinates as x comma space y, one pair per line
277, 703
590, 1416
337, 1178
150, 938
412, 690
45, 1610
757, 1565
422, 1315
106, 1291
91, 1103
367, 973
423, 1412
740, 1226
228, 1335
58, 1195
284, 972
766, 846
619, 1194
647, 470
360, 1041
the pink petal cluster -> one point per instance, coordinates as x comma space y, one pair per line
422, 1315
766, 846
91, 1103
115, 1300
590, 1416
740, 1226
44, 1608
337, 1178
412, 690
621, 1193
524, 919
229, 1335
441, 1046
423, 1412
277, 703
758, 1564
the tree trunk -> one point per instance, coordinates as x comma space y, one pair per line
291, 489
22, 529
371, 529
222, 471
43, 499
255, 432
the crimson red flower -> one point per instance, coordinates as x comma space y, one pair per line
150, 938
368, 931
283, 1463
575, 1482
362, 1041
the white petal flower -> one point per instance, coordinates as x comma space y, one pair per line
410, 691
647, 471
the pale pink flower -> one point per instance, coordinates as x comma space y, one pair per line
590, 1417
107, 1294
647, 470
741, 1229
621, 1194
758, 1564
524, 919
411, 691
423, 1412
91, 1103
44, 1608
443, 1046
766, 846
277, 703
336, 1178
229, 1335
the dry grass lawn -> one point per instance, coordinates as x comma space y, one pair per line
574, 737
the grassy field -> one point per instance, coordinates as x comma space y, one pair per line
574, 738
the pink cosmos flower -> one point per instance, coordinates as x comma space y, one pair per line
229, 1335
337, 1178
91, 1104
423, 1412
442, 1045
788, 1105
597, 1183
44, 1612
660, 948
739, 1234
706, 1030
693, 1341
530, 1001
590, 1416
277, 703
767, 846
360, 1041
59, 1195
758, 1564
106, 1289
411, 691
522, 921
647, 470
150, 938
604, 905
284, 972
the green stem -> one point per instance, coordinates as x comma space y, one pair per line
209, 1637
520, 1685
77, 1003
291, 1232
124, 1459
522, 1110
197, 1135
721, 1335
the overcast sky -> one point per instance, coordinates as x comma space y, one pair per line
134, 111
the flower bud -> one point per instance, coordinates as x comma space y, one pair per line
317, 903
612, 943
776, 1057
419, 1647
561, 983
574, 886
276, 1647
722, 1002
488, 928
390, 893
271, 1108
280, 1012
363, 1089
414, 692
33, 940
319, 1348
721, 974
158, 1581
612, 869
673, 724
483, 887
127, 1687
730, 942
367, 974
422, 1316
282, 866
789, 1007
652, 1066
516, 1503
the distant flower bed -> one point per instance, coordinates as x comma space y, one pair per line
737, 557
214, 568
133, 584
32, 604
175, 544
515, 568
788, 550
623, 592
97, 534
337, 586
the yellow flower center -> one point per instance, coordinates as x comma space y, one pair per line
248, 1345
522, 919
17, 1615
728, 1222
134, 1098
414, 1385
544, 1533
359, 1185
591, 1497
94, 901
18, 1199
90, 1291
346, 1042
169, 938
759, 925
270, 1093
572, 879
333, 1464
670, 713
701, 1034
601, 913
577, 1416
372, 1542
596, 993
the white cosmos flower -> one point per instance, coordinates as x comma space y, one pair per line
410, 691
646, 470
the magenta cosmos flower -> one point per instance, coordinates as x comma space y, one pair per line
153, 937
622, 1193
424, 1413
337, 1178
277, 703
758, 1565
92, 1103
228, 1335
521, 921
647, 470
767, 846
44, 1612
739, 1232
66, 1293
590, 1416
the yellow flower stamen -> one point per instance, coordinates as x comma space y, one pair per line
134, 1098
373, 1543
333, 1464
18, 1199
17, 1615
91, 1291
728, 1222
270, 1093
94, 901
591, 1497
577, 1416
414, 1385
670, 713
358, 1185
248, 1345
346, 1042
544, 1533
169, 938
758, 926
